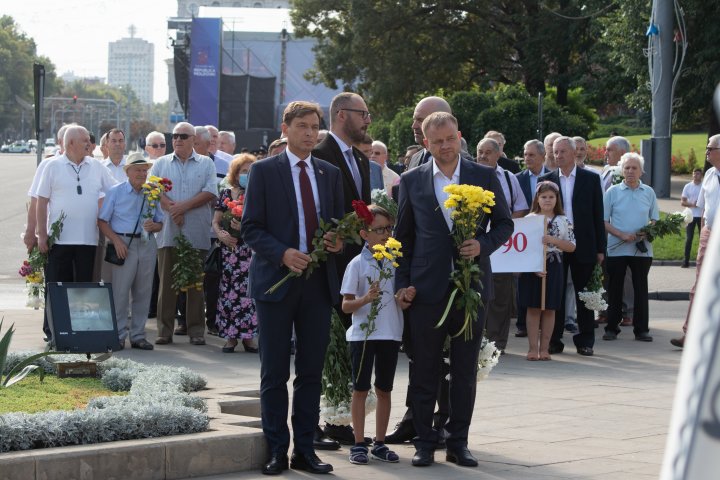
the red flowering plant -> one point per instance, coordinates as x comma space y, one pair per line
232, 215
347, 228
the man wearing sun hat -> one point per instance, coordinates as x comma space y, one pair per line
125, 213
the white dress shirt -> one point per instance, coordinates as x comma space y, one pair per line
350, 161
567, 186
514, 197
117, 171
709, 198
295, 171
440, 181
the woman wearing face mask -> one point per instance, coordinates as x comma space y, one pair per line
235, 310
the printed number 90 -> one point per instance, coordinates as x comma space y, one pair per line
518, 242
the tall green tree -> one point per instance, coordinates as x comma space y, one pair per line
17, 55
391, 51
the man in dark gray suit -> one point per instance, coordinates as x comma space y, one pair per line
582, 201
424, 228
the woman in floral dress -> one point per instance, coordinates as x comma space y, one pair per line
235, 310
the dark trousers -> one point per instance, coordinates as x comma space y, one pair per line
68, 263
427, 344
154, 294
689, 234
581, 273
211, 288
307, 307
443, 387
639, 267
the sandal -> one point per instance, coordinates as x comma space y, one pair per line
359, 455
532, 356
384, 454
545, 356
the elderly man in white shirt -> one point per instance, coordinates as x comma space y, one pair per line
379, 155
709, 201
71, 185
499, 310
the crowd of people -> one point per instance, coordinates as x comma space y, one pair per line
593, 219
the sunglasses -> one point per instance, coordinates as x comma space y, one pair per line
157, 145
710, 149
181, 136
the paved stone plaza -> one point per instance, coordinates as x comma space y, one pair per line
574, 417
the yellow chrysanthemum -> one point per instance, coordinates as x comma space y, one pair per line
378, 256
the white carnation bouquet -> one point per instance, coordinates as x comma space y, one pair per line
592, 294
487, 359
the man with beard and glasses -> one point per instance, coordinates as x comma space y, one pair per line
349, 120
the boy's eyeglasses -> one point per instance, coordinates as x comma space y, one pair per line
382, 230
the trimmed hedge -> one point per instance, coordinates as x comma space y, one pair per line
158, 405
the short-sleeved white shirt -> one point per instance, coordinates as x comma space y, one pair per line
389, 322
709, 197
32, 192
692, 193
117, 171
59, 184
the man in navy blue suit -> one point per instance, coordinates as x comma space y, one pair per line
424, 228
285, 197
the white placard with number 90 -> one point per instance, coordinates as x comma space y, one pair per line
523, 251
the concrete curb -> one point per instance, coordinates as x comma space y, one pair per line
234, 443
671, 296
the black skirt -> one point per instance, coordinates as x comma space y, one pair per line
530, 288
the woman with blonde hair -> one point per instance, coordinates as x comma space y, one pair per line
235, 310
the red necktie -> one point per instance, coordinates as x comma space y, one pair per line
308, 202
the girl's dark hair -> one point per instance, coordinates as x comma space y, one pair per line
547, 186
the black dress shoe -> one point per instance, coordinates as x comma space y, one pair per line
585, 351
323, 442
340, 433
521, 333
555, 348
678, 342
276, 465
310, 463
610, 335
404, 432
643, 337
423, 458
461, 456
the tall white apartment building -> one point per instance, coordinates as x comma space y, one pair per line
131, 62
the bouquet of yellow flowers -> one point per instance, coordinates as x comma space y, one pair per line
469, 205
387, 256
153, 189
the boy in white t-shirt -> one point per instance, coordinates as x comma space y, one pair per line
382, 345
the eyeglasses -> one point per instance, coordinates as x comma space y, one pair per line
710, 149
157, 145
363, 113
381, 230
181, 136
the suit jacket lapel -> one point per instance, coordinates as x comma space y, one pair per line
323, 186
283, 164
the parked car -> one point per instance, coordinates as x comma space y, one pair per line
50, 147
4, 148
19, 147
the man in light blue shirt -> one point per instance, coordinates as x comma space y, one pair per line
124, 215
629, 206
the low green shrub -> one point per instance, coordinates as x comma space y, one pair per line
158, 405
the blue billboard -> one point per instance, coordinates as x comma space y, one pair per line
205, 71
